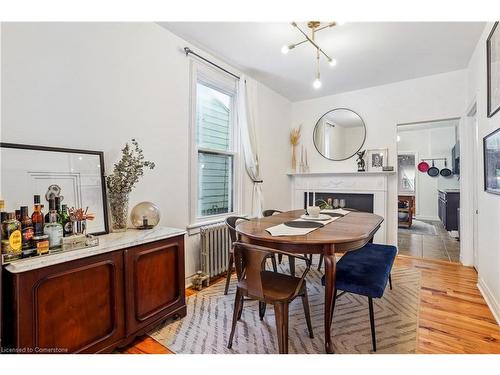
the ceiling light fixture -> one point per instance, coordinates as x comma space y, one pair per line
315, 26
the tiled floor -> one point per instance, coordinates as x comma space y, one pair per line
442, 246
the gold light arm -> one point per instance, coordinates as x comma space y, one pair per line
294, 24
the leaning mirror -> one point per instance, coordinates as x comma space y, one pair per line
339, 134
75, 176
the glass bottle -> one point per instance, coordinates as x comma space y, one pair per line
11, 237
54, 204
3, 214
37, 217
27, 231
18, 215
54, 230
65, 221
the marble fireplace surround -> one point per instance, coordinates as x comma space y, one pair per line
374, 183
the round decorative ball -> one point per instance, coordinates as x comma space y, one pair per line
145, 215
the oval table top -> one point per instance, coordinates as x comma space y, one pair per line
355, 226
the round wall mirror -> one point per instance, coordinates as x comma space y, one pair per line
339, 134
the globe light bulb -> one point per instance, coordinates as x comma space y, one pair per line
332, 62
284, 50
317, 83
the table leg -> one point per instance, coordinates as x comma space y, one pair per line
329, 259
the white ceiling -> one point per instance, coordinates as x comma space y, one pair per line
368, 54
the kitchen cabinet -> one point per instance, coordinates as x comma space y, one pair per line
448, 205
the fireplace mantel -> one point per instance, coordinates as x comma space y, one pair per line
374, 183
294, 174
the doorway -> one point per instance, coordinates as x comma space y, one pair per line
472, 129
429, 189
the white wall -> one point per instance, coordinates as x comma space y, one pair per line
96, 85
434, 97
429, 143
488, 204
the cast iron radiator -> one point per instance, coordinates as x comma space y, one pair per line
215, 245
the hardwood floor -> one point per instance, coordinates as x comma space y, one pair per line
453, 316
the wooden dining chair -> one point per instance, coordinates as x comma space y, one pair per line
231, 223
267, 213
268, 287
291, 260
365, 272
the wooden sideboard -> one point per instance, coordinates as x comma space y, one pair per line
409, 210
97, 303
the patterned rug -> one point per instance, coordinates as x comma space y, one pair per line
420, 227
206, 327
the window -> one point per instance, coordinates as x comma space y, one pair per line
214, 145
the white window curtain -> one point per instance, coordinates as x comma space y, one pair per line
246, 105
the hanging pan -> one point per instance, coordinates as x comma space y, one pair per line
433, 171
445, 172
423, 166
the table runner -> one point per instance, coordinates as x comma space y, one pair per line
284, 230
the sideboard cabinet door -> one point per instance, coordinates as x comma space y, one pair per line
72, 307
154, 283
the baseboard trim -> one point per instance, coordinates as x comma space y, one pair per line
490, 299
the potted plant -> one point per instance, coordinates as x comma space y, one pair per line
126, 174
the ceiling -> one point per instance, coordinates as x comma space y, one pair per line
368, 54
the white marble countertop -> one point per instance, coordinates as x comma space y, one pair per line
107, 243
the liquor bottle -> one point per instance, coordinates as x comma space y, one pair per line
54, 204
3, 214
37, 217
53, 229
18, 215
11, 237
27, 232
65, 221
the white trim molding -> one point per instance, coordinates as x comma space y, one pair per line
489, 297
349, 183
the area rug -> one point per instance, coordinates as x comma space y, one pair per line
420, 227
207, 325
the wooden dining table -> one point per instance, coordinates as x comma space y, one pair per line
349, 232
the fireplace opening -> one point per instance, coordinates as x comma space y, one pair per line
360, 202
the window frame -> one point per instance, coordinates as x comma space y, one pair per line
220, 81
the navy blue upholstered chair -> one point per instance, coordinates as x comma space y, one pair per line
365, 272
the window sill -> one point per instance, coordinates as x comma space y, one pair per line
194, 229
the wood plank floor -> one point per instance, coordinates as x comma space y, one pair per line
453, 316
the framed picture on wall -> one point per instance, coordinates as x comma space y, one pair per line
491, 147
75, 176
376, 159
493, 69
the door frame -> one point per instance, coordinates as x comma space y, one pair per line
415, 191
469, 159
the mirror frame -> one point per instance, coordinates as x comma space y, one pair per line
323, 115
99, 154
